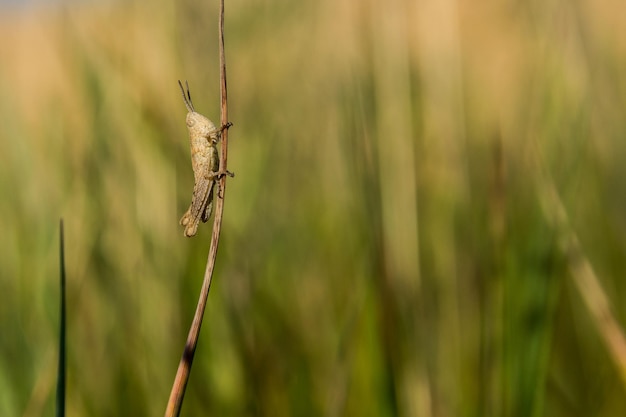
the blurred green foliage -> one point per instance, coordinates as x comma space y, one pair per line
384, 249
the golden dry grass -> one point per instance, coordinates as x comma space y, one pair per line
387, 248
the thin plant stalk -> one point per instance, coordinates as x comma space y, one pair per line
184, 368
60, 400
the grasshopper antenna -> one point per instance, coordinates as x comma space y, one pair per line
186, 97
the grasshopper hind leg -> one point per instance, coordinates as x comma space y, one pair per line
202, 195
206, 213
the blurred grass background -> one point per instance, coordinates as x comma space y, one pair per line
385, 250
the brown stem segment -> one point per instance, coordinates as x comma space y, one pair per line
184, 367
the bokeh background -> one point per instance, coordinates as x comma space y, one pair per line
428, 216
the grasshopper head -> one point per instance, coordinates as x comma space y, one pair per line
200, 125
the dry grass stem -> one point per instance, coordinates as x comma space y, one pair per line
184, 368
587, 282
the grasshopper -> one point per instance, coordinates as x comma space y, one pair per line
205, 163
